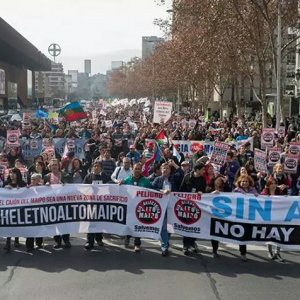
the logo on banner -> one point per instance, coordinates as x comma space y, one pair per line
34, 144
71, 144
290, 163
195, 147
294, 148
268, 137
187, 211
12, 138
148, 211
274, 157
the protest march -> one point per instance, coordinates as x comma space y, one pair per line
136, 169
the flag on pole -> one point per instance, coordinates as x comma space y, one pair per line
49, 125
207, 116
161, 138
41, 114
73, 111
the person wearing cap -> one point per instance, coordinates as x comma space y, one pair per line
36, 180
185, 166
133, 155
198, 154
149, 151
193, 182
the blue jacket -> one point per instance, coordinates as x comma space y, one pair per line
175, 181
135, 159
229, 169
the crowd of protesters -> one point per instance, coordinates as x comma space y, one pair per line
121, 151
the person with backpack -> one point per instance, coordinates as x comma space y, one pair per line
122, 172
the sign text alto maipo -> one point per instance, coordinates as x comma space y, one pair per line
274, 156
294, 148
291, 163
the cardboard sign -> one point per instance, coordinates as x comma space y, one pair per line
291, 163
162, 111
260, 161
219, 154
267, 138
26, 124
33, 144
13, 138
274, 156
294, 148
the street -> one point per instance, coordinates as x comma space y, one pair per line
113, 272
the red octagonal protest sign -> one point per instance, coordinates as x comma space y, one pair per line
148, 211
187, 211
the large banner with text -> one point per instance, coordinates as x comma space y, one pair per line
129, 210
236, 218
54, 210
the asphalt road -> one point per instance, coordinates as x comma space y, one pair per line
112, 272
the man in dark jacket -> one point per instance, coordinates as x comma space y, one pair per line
167, 183
95, 177
193, 182
229, 169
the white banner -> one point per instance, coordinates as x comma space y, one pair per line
162, 111
129, 210
236, 218
54, 210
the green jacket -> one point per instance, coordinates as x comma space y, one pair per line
141, 182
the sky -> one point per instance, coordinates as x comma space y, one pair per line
95, 29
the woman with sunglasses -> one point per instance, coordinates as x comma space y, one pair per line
245, 185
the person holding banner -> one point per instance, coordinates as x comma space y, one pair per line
245, 185
14, 180
194, 182
217, 186
97, 176
136, 179
272, 189
36, 180
167, 183
56, 176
